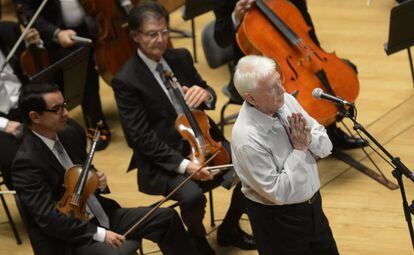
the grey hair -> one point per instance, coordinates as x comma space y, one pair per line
250, 70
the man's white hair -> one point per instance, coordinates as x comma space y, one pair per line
250, 70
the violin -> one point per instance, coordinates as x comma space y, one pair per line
194, 127
33, 59
80, 183
276, 29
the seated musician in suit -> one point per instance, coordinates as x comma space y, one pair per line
58, 21
148, 112
229, 15
49, 148
11, 80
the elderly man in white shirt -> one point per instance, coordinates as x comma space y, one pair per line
274, 145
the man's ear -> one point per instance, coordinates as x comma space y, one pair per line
249, 98
134, 34
34, 117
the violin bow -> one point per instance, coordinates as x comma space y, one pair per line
146, 216
19, 41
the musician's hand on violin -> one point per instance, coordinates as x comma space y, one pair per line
113, 239
13, 128
202, 175
32, 37
299, 132
241, 8
195, 95
63, 38
102, 180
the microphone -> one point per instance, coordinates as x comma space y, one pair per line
319, 94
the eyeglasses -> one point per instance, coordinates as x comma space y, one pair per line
58, 109
154, 34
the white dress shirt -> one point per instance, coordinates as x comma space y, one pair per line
9, 91
271, 171
100, 232
72, 12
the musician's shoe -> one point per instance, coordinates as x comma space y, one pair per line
344, 141
235, 237
203, 246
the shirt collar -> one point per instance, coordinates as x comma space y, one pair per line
264, 121
152, 65
49, 142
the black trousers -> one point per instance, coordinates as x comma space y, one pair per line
298, 229
164, 228
193, 202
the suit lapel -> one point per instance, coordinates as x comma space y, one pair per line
43, 151
151, 84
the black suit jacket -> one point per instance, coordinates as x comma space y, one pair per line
38, 178
148, 118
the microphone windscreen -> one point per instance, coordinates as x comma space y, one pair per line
317, 92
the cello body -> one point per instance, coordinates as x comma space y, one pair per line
303, 65
114, 46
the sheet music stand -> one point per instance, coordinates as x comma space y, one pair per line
401, 34
69, 73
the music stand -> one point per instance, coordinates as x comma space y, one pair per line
69, 73
401, 34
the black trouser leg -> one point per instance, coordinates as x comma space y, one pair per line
236, 209
192, 204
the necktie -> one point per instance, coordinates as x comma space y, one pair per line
93, 203
173, 98
62, 156
98, 211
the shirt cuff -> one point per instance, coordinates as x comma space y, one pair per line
183, 166
301, 155
233, 18
55, 35
100, 234
209, 101
3, 123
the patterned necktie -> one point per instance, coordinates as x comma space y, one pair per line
62, 156
173, 98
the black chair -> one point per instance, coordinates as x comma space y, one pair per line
217, 56
194, 8
6, 208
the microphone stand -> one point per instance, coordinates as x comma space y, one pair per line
399, 169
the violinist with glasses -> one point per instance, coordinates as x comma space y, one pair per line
50, 147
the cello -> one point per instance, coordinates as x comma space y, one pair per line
114, 45
275, 28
